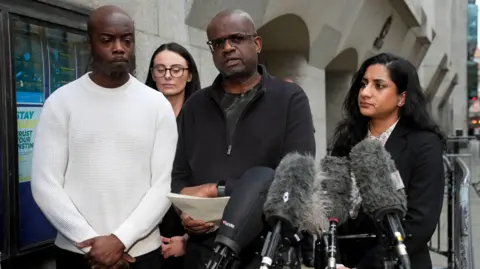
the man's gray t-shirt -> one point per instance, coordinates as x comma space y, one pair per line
234, 104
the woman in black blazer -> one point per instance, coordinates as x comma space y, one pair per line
386, 102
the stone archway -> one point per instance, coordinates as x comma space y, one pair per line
285, 45
286, 52
338, 75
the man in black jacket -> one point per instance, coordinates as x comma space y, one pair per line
247, 118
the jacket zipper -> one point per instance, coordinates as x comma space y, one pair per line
231, 138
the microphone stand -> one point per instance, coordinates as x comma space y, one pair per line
395, 242
222, 258
270, 247
320, 252
332, 244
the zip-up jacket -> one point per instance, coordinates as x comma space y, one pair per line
277, 120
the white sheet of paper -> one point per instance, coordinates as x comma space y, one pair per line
199, 208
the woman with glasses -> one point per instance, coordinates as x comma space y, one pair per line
173, 72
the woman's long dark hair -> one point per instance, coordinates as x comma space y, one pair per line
414, 114
190, 87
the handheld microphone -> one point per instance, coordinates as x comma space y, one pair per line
293, 203
337, 188
381, 188
242, 220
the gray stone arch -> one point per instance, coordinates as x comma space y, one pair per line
200, 12
338, 76
286, 45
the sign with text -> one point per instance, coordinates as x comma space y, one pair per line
27, 120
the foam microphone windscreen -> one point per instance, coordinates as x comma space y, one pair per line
337, 185
373, 168
292, 197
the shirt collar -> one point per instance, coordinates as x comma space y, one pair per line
383, 137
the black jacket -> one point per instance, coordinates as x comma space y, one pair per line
418, 157
277, 121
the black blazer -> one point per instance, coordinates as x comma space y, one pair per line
418, 157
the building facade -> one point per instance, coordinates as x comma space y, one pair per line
472, 69
317, 43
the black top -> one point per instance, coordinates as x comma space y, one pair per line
234, 104
418, 157
277, 120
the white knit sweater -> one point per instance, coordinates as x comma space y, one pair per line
102, 163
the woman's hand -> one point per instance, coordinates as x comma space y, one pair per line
174, 246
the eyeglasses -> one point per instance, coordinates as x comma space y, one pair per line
234, 40
175, 71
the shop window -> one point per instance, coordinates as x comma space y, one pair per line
45, 58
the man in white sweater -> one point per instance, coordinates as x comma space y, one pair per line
103, 155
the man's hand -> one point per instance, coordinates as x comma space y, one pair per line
195, 226
205, 190
106, 251
123, 263
198, 226
175, 246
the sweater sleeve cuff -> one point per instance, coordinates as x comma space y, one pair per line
178, 187
125, 235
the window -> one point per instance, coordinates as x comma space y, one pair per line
45, 59
472, 79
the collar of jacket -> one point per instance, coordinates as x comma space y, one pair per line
217, 91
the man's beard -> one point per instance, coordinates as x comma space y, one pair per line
116, 74
109, 69
240, 73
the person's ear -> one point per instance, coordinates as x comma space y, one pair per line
401, 101
258, 44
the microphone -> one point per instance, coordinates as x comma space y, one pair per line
242, 219
293, 203
337, 188
381, 189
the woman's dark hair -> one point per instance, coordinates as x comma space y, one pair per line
414, 114
190, 87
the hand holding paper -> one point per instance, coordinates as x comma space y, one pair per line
200, 208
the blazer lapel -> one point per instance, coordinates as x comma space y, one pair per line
397, 142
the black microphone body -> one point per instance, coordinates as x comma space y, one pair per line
292, 203
337, 187
242, 221
384, 201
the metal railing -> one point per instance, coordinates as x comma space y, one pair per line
449, 252
464, 257
459, 248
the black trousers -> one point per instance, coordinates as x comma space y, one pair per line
70, 260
